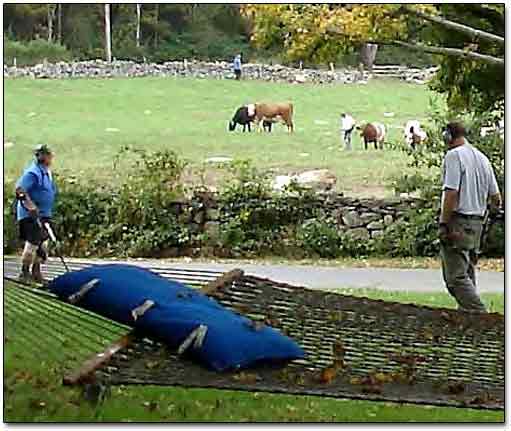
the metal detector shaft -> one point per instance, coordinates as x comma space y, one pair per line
53, 238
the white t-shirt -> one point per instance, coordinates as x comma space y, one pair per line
347, 123
468, 171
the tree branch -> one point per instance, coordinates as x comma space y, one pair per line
458, 27
496, 19
455, 52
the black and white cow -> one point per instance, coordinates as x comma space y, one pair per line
244, 116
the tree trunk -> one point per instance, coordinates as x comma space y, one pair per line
156, 12
139, 13
59, 22
51, 17
108, 38
368, 55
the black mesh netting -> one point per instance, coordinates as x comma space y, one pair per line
356, 347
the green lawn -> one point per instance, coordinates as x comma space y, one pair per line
33, 392
76, 117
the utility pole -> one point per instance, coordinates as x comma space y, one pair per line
139, 13
108, 38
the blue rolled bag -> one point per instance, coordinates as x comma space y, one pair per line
177, 315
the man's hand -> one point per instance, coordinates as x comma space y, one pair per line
443, 232
33, 211
495, 203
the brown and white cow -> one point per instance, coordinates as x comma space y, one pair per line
273, 112
373, 132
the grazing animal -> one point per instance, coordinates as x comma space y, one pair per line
271, 111
244, 116
241, 117
414, 135
373, 132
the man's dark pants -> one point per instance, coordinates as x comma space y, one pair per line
459, 259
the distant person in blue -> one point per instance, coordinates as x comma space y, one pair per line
236, 65
35, 194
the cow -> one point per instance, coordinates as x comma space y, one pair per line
373, 132
413, 133
273, 112
241, 117
245, 115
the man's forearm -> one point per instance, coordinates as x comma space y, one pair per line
24, 197
449, 205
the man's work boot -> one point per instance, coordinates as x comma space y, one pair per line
37, 275
24, 276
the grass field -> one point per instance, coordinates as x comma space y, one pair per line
33, 391
88, 121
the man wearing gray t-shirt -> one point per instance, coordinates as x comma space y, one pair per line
468, 186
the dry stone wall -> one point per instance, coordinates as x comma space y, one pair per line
202, 69
360, 219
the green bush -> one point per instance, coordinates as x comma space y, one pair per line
206, 44
413, 235
144, 213
10, 227
319, 237
34, 52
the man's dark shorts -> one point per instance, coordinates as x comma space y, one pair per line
237, 73
31, 231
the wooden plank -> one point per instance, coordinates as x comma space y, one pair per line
224, 279
83, 373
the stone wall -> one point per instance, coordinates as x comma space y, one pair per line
358, 218
202, 69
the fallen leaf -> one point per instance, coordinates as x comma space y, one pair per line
249, 378
150, 405
152, 364
455, 388
355, 380
328, 375
37, 404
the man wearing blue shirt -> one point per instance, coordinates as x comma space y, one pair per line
236, 65
35, 192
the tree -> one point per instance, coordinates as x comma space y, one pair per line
320, 32
59, 22
368, 55
473, 78
469, 40
51, 17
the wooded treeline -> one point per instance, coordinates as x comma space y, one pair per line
154, 31
467, 40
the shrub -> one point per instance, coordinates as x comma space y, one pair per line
139, 215
34, 52
319, 237
413, 235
